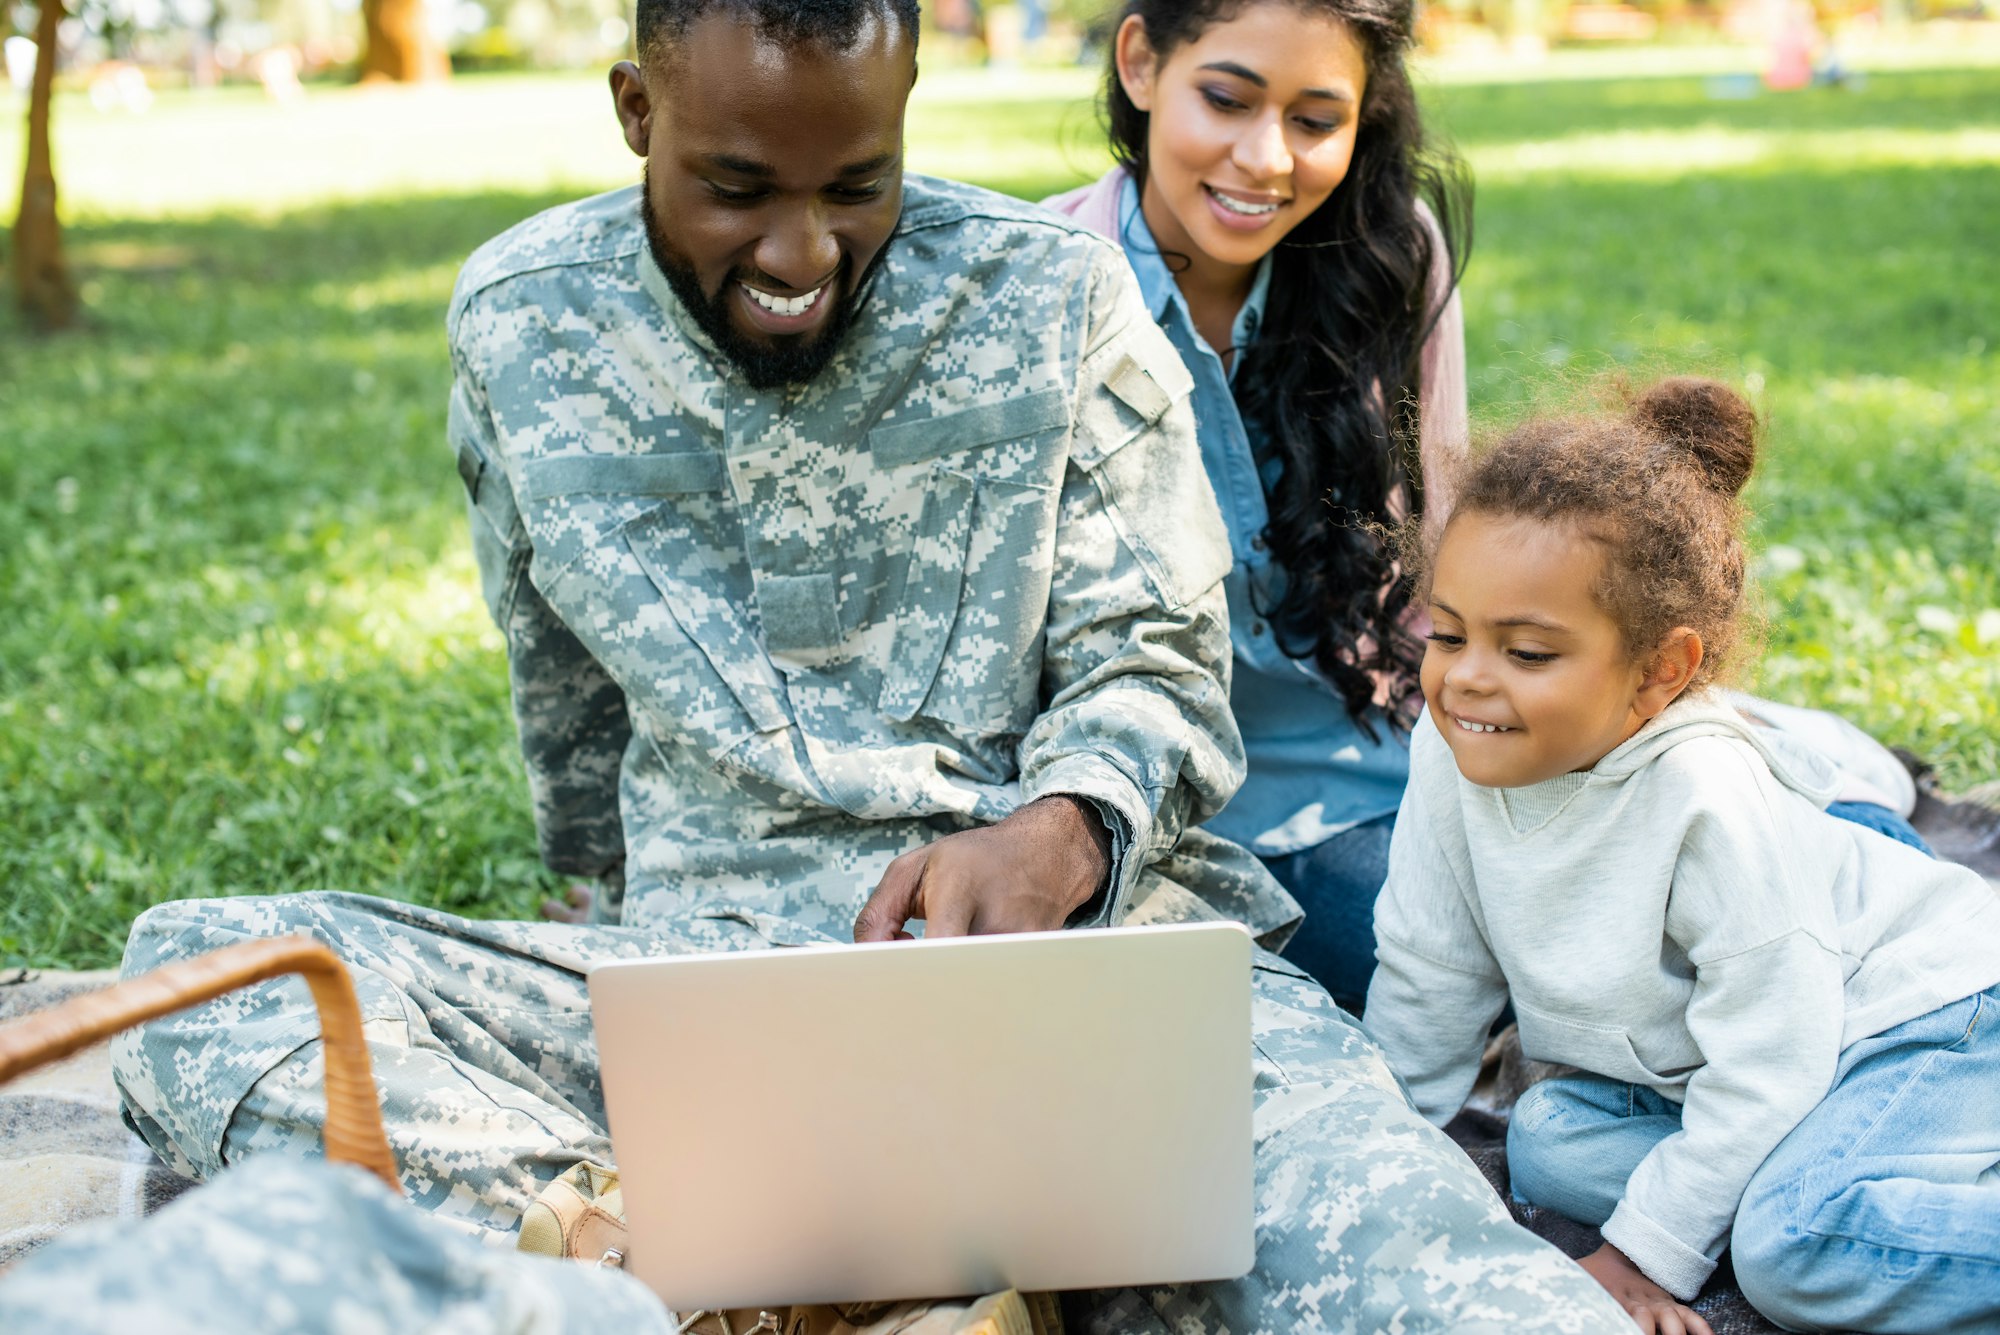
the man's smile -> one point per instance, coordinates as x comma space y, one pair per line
772, 314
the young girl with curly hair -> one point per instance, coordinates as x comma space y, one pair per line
1786, 1026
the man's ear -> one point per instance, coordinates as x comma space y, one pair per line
1136, 62
1672, 668
634, 105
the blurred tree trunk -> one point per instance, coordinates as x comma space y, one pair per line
400, 47
45, 291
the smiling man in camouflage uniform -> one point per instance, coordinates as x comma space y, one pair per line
855, 563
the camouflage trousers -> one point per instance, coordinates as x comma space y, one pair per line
1368, 1218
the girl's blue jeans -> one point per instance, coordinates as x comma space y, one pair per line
1879, 1212
1336, 882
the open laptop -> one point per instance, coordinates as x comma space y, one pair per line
1055, 1110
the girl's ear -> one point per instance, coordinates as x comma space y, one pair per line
1672, 668
1136, 62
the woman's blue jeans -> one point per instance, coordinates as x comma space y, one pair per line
1336, 882
1879, 1212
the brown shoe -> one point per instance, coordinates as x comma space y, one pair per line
580, 1215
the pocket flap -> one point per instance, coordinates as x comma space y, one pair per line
682, 474
913, 442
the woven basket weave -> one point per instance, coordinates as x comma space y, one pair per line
354, 1132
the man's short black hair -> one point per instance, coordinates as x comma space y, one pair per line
833, 24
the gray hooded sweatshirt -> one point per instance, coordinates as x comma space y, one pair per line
1684, 915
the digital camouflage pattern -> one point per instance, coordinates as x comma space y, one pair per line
307, 1249
792, 633
788, 635
1368, 1218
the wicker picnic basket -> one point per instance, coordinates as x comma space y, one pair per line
354, 1132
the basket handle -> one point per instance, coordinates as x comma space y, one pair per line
354, 1132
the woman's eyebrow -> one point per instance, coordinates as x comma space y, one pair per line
1249, 75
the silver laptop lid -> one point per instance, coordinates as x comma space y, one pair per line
1059, 1110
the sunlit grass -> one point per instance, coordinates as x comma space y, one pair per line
245, 651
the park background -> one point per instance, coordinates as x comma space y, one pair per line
243, 649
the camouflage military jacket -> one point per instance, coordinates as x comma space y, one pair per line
763, 641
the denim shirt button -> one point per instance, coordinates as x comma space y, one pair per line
1257, 628
1257, 543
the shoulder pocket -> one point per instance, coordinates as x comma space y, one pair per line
1158, 494
486, 485
1139, 382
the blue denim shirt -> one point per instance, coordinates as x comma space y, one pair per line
1313, 772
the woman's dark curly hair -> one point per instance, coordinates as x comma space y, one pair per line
1332, 375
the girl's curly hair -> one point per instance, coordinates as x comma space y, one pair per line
1656, 487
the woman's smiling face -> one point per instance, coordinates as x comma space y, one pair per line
1251, 126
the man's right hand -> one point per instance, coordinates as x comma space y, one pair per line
1026, 874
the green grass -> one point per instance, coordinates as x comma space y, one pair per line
243, 650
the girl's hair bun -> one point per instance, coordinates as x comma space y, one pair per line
1709, 420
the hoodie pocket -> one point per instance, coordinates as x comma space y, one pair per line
1604, 1050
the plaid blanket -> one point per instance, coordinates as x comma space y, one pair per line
64, 1154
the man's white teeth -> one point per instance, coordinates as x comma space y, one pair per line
785, 305
1238, 206
1470, 726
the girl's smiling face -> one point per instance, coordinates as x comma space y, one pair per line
1252, 125
1526, 675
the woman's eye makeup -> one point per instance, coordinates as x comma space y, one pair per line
1533, 657
1444, 640
1220, 100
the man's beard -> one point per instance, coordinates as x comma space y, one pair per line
785, 360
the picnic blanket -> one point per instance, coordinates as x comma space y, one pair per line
65, 1157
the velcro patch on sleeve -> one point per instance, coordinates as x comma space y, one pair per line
1136, 389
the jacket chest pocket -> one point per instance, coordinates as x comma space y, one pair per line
626, 551
973, 596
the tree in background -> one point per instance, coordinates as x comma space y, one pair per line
42, 279
401, 47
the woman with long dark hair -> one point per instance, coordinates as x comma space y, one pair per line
1300, 245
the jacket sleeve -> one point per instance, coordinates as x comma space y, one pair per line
1437, 988
570, 714
1766, 1012
1136, 660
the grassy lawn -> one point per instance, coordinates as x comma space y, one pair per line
244, 650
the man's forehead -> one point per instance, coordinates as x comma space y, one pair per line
737, 99
721, 53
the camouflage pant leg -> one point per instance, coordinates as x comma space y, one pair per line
479, 1032
311, 1248
1369, 1219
